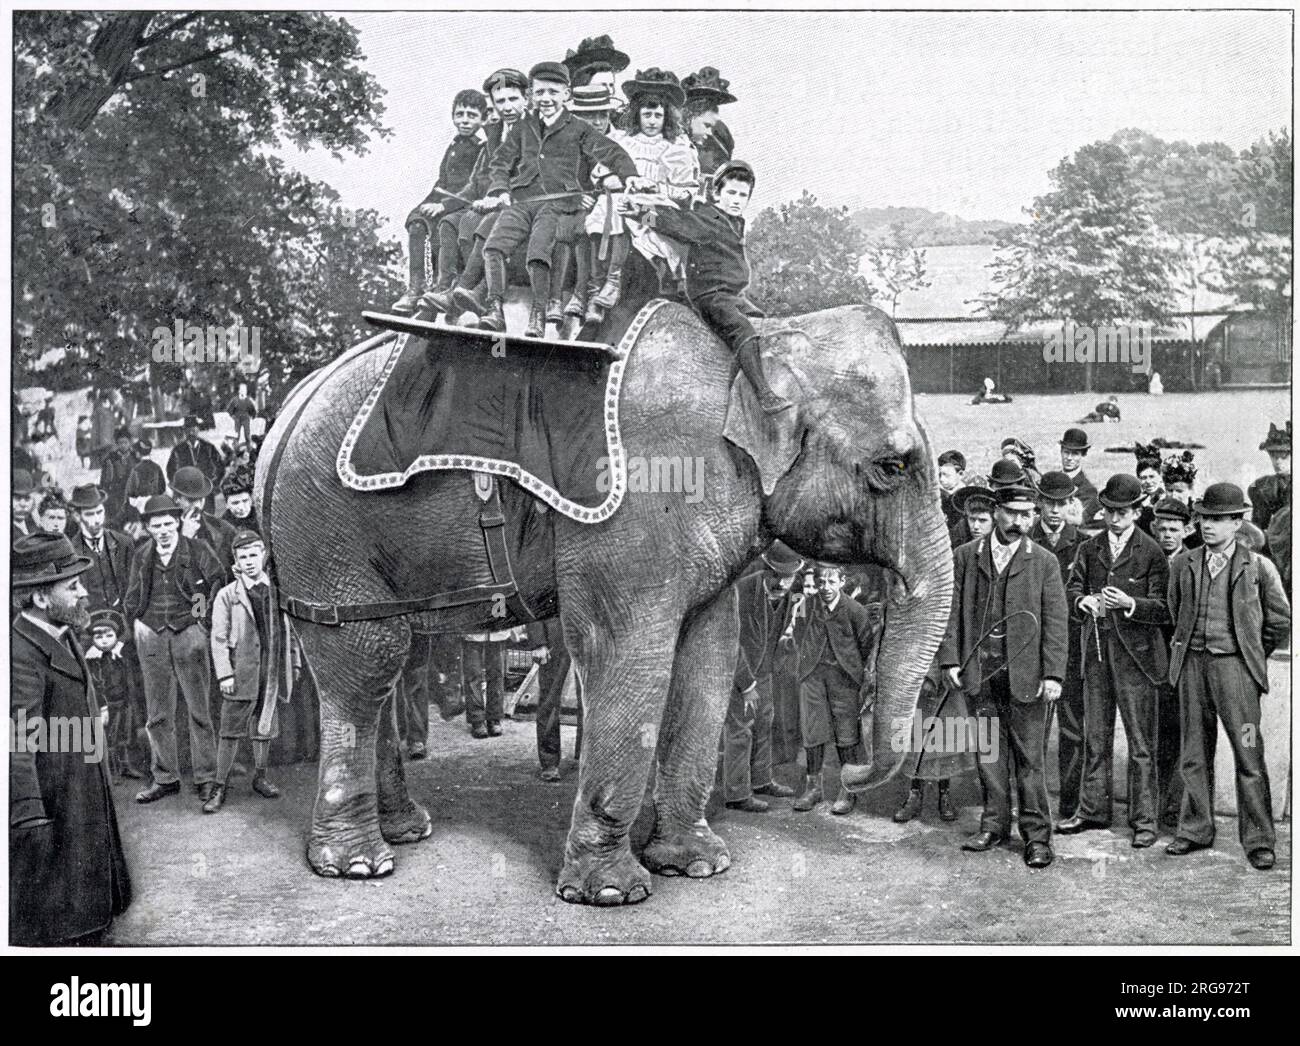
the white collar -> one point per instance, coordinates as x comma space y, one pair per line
830, 607
1122, 540
261, 579
48, 627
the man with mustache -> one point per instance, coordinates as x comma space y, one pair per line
1117, 588
110, 551
67, 871
1005, 648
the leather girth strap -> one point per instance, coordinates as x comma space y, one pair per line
502, 593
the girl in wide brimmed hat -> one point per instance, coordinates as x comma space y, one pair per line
650, 131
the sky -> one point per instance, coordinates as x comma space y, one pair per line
961, 112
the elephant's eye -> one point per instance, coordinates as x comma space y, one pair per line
883, 473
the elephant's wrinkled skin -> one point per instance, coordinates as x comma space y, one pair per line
647, 599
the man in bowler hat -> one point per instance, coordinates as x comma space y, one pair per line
1117, 589
67, 871
1074, 448
198, 453
1005, 648
1230, 613
22, 489
191, 490
110, 551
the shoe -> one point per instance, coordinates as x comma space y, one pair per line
468, 300
1076, 824
844, 802
749, 806
594, 314
494, 318
206, 789
406, 305
776, 789
132, 774
550, 774
478, 730
418, 751
980, 842
555, 311
947, 811
215, 799
493, 728
536, 321
612, 291
1142, 840
577, 305
157, 791
772, 403
812, 793
450, 711
1261, 859
1038, 855
1181, 846
911, 807
438, 301
263, 787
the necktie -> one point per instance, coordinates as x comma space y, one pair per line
1001, 556
1216, 563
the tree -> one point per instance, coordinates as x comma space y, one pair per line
1092, 253
145, 188
805, 257
898, 266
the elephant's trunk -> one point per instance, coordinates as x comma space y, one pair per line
915, 620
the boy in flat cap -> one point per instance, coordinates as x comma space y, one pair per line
1229, 614
1117, 587
717, 271
241, 617
440, 209
537, 176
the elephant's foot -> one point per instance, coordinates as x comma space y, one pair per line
695, 851
351, 847
604, 879
408, 824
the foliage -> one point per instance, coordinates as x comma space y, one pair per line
805, 257
897, 266
924, 228
146, 190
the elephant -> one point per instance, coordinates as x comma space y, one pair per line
646, 597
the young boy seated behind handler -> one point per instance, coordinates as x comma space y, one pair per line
717, 271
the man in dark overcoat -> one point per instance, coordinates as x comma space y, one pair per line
110, 551
197, 453
67, 871
1005, 648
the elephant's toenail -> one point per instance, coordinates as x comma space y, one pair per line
610, 895
385, 867
637, 894
571, 894
359, 869
722, 863
699, 869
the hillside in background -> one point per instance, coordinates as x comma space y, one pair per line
927, 228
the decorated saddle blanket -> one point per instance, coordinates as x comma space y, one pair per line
544, 414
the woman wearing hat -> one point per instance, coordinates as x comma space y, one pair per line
1268, 494
705, 91
650, 131
67, 871
595, 63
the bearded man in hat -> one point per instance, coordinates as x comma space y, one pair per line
110, 551
1062, 538
1005, 649
242, 617
193, 452
67, 870
1117, 589
115, 473
191, 490
21, 494
1074, 448
173, 582
1230, 613
765, 600
534, 176
1269, 494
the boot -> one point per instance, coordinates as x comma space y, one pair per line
494, 316
751, 364
613, 288
811, 795
561, 263
438, 300
911, 808
539, 278
537, 316
263, 787
215, 799
468, 299
946, 810
410, 301
594, 314
844, 802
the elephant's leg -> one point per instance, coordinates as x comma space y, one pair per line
625, 683
401, 818
683, 843
356, 667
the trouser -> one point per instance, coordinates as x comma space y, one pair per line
413, 691
125, 751
747, 743
1069, 710
829, 707
472, 233
167, 659
449, 250
728, 314
485, 681
538, 224
551, 678
1214, 688
1117, 682
239, 719
1021, 729
243, 428
1169, 775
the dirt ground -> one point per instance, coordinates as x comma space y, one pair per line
487, 874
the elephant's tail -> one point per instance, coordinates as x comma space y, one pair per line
282, 648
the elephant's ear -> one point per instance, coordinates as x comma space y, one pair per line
773, 441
